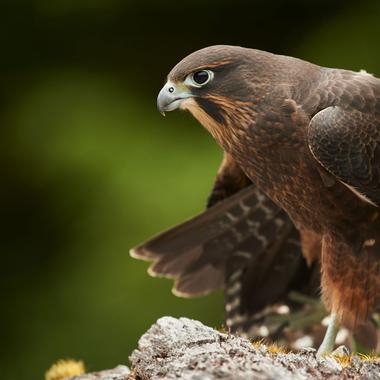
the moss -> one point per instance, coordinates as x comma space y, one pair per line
65, 368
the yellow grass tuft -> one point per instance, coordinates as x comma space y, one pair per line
343, 360
368, 357
257, 343
273, 348
65, 368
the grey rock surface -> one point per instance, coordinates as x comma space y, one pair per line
186, 349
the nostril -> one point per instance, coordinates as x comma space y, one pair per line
171, 89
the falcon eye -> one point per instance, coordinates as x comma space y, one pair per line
199, 78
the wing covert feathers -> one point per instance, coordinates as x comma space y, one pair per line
346, 142
207, 241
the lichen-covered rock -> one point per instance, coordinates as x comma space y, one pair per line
186, 349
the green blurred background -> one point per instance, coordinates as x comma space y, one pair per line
89, 168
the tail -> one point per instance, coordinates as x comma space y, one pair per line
256, 288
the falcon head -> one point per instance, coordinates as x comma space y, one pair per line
212, 83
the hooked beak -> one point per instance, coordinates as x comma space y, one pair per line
171, 96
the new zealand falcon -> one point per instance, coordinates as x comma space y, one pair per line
301, 174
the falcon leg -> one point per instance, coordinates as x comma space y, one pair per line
329, 340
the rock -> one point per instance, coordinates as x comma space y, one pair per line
186, 349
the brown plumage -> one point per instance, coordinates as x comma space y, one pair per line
308, 137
